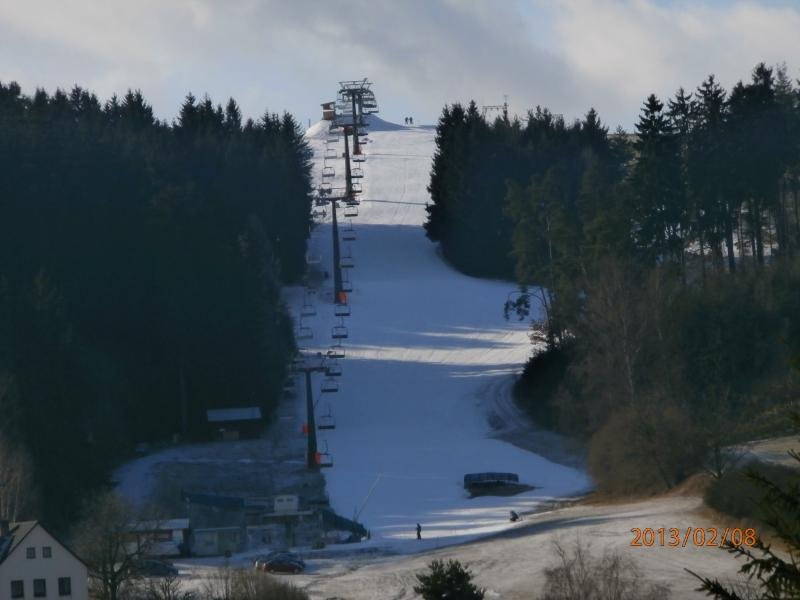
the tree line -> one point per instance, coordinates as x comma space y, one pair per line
141, 265
665, 263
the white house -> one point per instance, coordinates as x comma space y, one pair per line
35, 565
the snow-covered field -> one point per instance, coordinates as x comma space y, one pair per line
424, 343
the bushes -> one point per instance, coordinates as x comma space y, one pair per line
644, 450
535, 390
241, 584
738, 495
582, 575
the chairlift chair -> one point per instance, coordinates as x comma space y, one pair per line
312, 259
336, 351
347, 285
327, 421
305, 333
351, 211
333, 368
346, 261
357, 173
330, 153
327, 171
359, 158
341, 310
325, 459
349, 234
329, 386
339, 332
308, 309
319, 214
356, 187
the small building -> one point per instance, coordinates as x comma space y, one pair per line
286, 504
216, 541
34, 564
328, 111
235, 423
169, 537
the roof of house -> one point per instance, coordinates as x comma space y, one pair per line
18, 532
220, 415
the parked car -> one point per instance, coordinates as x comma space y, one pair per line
155, 568
280, 562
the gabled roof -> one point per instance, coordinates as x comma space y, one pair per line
221, 415
19, 531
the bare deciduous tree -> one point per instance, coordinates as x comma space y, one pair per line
103, 541
581, 574
17, 492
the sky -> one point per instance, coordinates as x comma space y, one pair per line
276, 55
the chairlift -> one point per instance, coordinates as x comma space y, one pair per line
339, 332
357, 173
289, 384
329, 386
330, 153
319, 214
349, 234
336, 351
341, 310
308, 309
327, 421
356, 187
346, 261
312, 259
347, 285
351, 211
325, 459
359, 158
327, 171
305, 333
333, 368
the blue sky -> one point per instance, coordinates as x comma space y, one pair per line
420, 54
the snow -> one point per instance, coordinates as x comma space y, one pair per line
424, 343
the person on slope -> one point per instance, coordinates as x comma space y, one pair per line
514, 516
419, 531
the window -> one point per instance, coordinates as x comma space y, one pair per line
64, 586
47, 552
17, 589
39, 588
30, 552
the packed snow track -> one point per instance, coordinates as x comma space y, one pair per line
424, 341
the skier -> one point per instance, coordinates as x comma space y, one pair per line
514, 516
410, 120
419, 531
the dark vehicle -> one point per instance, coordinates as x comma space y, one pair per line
155, 568
279, 562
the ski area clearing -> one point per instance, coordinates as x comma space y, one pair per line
425, 344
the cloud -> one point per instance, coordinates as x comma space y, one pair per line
420, 54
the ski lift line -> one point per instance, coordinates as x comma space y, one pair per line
369, 493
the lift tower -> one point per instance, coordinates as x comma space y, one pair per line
354, 100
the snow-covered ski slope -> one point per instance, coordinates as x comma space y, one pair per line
424, 343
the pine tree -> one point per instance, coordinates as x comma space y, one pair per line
659, 204
447, 581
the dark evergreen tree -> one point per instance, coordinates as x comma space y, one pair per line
447, 581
